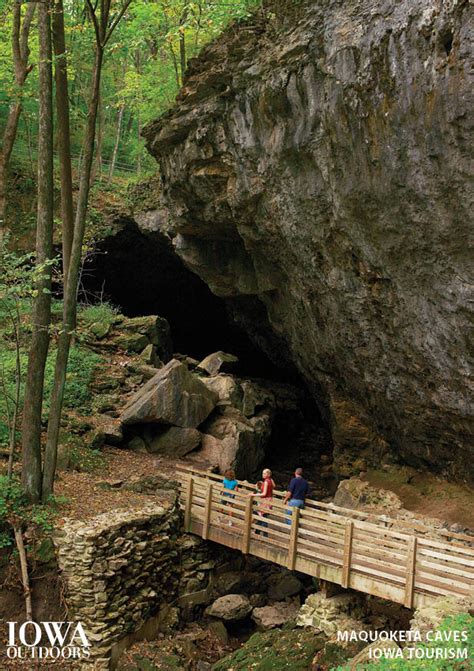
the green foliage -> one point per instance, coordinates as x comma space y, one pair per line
463, 622
102, 313
86, 460
142, 73
15, 511
274, 651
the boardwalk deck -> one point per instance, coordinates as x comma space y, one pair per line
377, 555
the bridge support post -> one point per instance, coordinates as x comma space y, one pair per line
207, 513
189, 503
293, 546
247, 525
411, 568
346, 561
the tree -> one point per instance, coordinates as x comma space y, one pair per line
63, 132
20, 55
33, 399
104, 24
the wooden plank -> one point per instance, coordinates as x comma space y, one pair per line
346, 559
207, 512
293, 545
247, 526
189, 502
463, 561
410, 572
458, 550
443, 567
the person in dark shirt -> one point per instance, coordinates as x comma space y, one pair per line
298, 490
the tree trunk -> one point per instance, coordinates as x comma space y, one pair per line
24, 573
33, 399
63, 133
20, 55
70, 295
117, 142
182, 55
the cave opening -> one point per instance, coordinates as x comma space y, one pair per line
142, 275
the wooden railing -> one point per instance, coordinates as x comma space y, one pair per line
389, 558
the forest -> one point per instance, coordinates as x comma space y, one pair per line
234, 300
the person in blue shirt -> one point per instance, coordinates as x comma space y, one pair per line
230, 484
298, 491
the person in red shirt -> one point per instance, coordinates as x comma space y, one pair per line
266, 496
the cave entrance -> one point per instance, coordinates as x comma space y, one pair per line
142, 275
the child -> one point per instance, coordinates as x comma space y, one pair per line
231, 484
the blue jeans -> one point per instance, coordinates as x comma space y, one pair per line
294, 503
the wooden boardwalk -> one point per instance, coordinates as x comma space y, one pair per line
377, 555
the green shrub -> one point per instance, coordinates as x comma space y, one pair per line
101, 313
85, 459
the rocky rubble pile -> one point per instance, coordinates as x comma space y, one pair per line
188, 405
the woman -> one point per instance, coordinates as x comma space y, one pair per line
231, 485
266, 496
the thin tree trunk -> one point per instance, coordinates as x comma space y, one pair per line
182, 55
139, 157
117, 142
24, 573
63, 133
70, 295
20, 55
15, 319
175, 66
33, 399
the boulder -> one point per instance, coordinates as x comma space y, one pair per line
230, 608
218, 362
137, 444
237, 582
229, 392
281, 586
255, 397
175, 441
173, 396
232, 440
108, 430
359, 495
275, 615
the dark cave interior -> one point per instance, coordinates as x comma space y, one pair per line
142, 275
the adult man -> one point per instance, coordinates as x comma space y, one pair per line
298, 490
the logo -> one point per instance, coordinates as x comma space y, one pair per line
67, 640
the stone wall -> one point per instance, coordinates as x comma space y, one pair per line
120, 569
132, 574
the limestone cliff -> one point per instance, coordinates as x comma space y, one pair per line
316, 176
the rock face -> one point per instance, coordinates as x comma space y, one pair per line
316, 178
172, 396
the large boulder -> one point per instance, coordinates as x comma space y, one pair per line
230, 608
275, 615
283, 585
359, 495
232, 440
228, 390
218, 362
175, 441
173, 396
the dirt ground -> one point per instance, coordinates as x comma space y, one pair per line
427, 494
